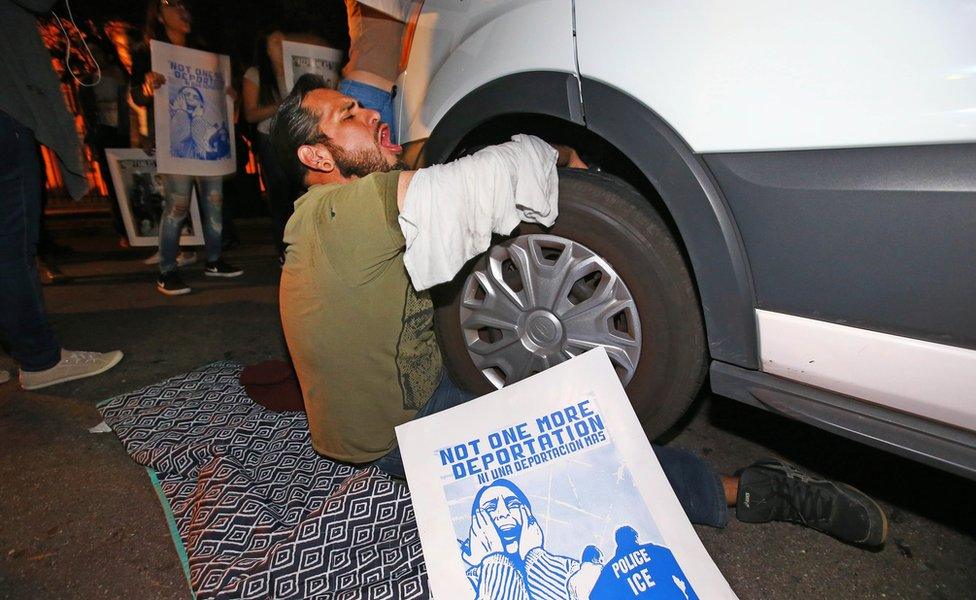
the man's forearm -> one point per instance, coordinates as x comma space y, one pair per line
568, 157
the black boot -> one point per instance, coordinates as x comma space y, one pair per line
771, 490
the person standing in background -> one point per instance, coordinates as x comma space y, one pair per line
375, 37
263, 89
107, 118
170, 21
32, 109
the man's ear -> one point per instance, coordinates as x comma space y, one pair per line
317, 158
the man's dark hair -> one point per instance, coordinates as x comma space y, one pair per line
590, 554
295, 125
626, 538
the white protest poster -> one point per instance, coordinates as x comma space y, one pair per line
549, 489
192, 111
140, 192
302, 58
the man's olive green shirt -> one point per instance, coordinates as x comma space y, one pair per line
361, 339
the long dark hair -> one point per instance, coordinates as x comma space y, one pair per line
268, 92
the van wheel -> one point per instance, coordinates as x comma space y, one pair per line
609, 274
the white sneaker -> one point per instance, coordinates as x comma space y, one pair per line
182, 259
4, 376
74, 364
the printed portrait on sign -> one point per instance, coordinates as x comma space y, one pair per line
193, 112
194, 134
549, 490
141, 194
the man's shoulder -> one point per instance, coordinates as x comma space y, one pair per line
374, 183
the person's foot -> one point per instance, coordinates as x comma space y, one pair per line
219, 268
74, 364
171, 284
4, 376
771, 490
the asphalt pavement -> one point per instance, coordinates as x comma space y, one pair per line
79, 519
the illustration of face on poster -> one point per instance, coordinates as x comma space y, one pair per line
194, 131
548, 490
558, 524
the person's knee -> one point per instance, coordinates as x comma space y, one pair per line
178, 206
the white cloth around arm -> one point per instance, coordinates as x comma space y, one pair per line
398, 9
450, 211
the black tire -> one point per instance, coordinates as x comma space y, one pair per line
611, 218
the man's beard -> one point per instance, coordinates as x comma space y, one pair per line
361, 163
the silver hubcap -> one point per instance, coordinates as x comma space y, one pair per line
537, 300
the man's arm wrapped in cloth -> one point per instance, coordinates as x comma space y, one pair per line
450, 211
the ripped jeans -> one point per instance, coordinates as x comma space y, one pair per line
210, 191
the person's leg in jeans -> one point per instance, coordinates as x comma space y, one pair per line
211, 190
22, 318
699, 488
175, 211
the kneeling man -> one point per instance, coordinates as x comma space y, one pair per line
368, 235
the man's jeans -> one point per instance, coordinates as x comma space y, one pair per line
374, 98
697, 486
22, 320
210, 192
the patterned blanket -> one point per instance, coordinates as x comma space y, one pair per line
260, 514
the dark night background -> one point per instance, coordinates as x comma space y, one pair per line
231, 26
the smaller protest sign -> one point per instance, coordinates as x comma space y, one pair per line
141, 195
548, 488
193, 112
302, 58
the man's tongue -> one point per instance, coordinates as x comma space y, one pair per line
385, 140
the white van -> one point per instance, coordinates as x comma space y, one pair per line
785, 199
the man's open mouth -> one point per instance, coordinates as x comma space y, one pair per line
383, 137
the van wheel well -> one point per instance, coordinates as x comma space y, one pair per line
597, 152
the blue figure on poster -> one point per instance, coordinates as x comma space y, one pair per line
505, 551
582, 581
192, 134
641, 571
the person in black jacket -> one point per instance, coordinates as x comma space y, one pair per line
31, 110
